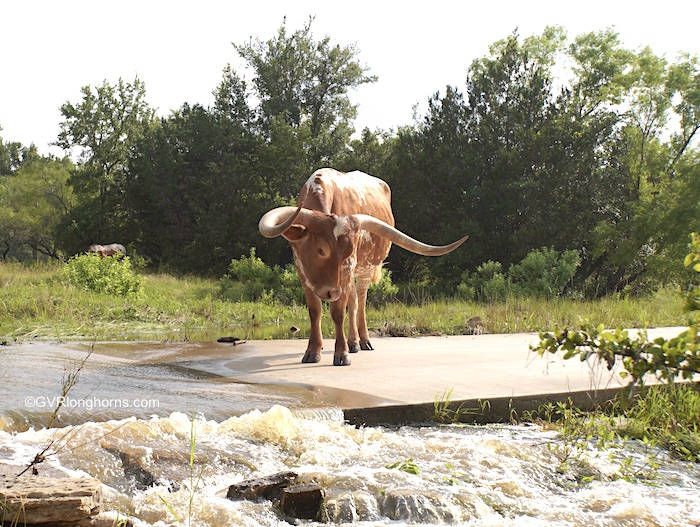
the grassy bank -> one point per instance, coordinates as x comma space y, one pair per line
36, 304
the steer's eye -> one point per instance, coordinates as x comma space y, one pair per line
323, 249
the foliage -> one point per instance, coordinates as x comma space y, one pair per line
34, 303
302, 85
104, 128
444, 410
543, 273
33, 203
665, 359
407, 465
668, 415
579, 145
662, 416
383, 291
110, 275
487, 283
257, 278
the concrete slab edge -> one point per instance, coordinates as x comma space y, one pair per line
477, 411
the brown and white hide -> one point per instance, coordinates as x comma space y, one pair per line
340, 234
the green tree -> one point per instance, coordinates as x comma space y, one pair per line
639, 248
370, 153
302, 85
34, 198
192, 192
42, 198
514, 162
102, 130
11, 154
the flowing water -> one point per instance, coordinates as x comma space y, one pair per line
140, 449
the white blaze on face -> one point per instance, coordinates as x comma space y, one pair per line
341, 226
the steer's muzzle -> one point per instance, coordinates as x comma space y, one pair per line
329, 294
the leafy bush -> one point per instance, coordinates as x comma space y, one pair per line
290, 290
487, 284
544, 272
254, 274
666, 360
383, 291
110, 275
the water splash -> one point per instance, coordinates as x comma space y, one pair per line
497, 475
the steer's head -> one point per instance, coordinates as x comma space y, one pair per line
325, 244
324, 252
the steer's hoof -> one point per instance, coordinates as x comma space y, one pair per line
341, 360
310, 356
354, 347
366, 345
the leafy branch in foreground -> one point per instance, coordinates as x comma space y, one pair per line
667, 359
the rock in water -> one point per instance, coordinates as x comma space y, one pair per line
52, 501
268, 487
302, 501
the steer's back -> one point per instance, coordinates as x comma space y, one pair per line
333, 192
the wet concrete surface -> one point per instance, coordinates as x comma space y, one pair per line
493, 377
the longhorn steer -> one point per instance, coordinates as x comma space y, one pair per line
340, 233
107, 250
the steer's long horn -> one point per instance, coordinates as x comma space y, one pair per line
270, 226
385, 230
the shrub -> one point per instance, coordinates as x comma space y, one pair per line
487, 284
544, 272
254, 274
109, 275
290, 291
383, 291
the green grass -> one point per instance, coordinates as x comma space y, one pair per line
664, 308
659, 417
36, 303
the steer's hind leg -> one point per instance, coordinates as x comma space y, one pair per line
353, 336
362, 286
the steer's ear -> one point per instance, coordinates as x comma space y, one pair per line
295, 233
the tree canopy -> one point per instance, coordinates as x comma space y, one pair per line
579, 146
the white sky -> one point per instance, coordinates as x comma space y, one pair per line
49, 49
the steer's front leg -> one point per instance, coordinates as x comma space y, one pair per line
341, 356
313, 350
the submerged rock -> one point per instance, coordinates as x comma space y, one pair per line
350, 507
418, 507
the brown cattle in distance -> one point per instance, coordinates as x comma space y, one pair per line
340, 233
107, 250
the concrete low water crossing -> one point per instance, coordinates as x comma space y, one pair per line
253, 409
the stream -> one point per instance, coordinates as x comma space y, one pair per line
137, 410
